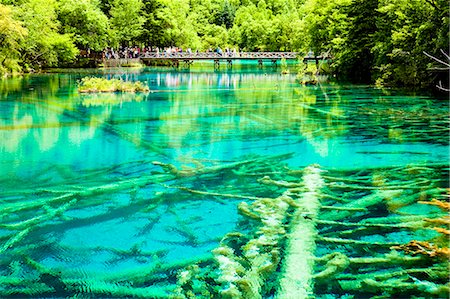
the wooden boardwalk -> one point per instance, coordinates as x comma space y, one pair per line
186, 59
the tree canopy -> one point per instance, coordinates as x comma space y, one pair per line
86, 22
370, 40
12, 34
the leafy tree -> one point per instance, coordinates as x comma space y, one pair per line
214, 36
324, 24
86, 22
43, 46
406, 29
126, 20
267, 26
12, 33
355, 60
288, 31
225, 14
252, 27
152, 30
377, 40
380, 40
178, 24
105, 6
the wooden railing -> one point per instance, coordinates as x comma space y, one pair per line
214, 55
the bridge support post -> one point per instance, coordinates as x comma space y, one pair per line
175, 63
216, 64
229, 63
274, 62
187, 63
260, 63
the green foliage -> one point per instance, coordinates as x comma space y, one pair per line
63, 49
86, 22
406, 29
214, 36
29, 37
12, 33
43, 45
93, 84
272, 26
126, 20
178, 24
251, 28
324, 25
378, 41
225, 14
152, 29
354, 60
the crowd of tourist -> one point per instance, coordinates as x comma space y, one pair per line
136, 52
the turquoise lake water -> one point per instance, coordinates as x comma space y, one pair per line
90, 209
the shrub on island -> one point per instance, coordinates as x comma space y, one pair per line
93, 84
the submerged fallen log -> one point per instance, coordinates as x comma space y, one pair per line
395, 287
128, 184
175, 171
377, 197
242, 269
28, 225
296, 280
81, 194
229, 195
69, 286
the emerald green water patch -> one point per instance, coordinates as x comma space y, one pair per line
206, 185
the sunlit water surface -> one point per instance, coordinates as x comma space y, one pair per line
83, 193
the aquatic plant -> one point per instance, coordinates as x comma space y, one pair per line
94, 84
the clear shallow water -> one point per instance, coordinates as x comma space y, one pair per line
84, 199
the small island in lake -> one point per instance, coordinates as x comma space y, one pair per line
93, 84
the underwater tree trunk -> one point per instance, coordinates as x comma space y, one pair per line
296, 281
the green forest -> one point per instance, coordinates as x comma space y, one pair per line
371, 41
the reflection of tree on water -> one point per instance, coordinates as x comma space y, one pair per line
317, 114
251, 111
44, 117
109, 99
220, 80
10, 139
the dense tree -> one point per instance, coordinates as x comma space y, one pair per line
225, 14
405, 30
370, 40
126, 20
252, 28
12, 33
354, 60
178, 24
274, 25
324, 24
289, 28
43, 45
152, 29
377, 41
86, 22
